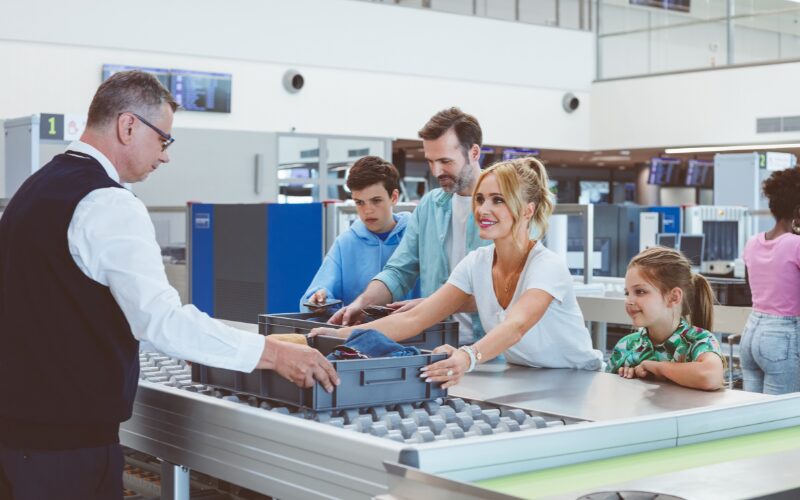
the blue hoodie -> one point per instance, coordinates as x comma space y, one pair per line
355, 258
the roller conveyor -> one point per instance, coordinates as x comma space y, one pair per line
591, 416
423, 422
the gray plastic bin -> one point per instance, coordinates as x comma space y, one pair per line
445, 332
364, 382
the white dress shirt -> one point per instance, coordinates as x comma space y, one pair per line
112, 240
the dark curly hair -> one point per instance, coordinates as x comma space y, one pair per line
371, 170
783, 191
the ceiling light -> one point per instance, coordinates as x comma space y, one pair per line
745, 147
613, 157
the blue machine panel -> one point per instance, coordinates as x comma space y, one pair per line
294, 253
671, 217
202, 248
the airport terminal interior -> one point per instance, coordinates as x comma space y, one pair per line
657, 122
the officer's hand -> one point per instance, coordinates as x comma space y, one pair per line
299, 364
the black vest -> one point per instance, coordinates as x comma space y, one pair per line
69, 363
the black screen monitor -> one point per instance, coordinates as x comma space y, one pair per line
700, 174
669, 240
514, 153
691, 245
665, 172
201, 91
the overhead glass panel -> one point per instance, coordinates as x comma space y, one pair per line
639, 37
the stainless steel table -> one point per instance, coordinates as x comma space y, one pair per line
586, 395
772, 475
288, 457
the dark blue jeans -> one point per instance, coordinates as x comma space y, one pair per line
82, 474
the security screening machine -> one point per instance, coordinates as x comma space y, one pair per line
726, 230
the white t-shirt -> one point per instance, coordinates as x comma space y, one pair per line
457, 245
560, 338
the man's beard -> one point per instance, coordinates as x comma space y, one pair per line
458, 183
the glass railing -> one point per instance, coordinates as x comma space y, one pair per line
573, 14
635, 40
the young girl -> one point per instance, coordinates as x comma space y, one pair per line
661, 291
522, 291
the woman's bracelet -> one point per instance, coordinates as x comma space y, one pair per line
473, 360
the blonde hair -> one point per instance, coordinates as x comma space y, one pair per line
666, 268
521, 181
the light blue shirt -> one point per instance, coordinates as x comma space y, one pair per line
354, 258
422, 253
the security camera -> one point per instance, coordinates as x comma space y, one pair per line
293, 81
570, 102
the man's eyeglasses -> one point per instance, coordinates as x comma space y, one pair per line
168, 139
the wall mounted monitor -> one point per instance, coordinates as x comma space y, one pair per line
162, 74
700, 174
665, 172
691, 245
678, 5
201, 91
669, 240
514, 153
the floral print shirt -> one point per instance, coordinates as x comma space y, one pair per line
685, 344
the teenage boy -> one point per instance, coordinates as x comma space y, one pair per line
360, 253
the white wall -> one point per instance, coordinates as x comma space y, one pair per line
701, 108
371, 70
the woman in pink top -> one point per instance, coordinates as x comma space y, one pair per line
769, 350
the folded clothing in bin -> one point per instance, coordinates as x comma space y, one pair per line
372, 344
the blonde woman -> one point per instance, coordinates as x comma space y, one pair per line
522, 291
